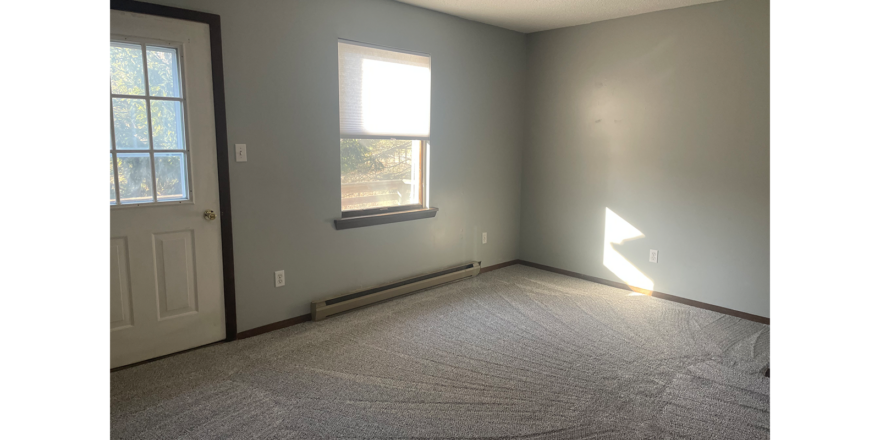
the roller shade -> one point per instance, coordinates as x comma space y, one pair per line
383, 93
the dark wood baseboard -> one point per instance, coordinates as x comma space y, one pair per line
598, 280
243, 335
124, 367
654, 293
714, 308
498, 266
308, 317
274, 326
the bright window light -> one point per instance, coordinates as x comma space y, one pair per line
383, 93
395, 98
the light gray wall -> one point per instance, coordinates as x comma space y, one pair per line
280, 67
663, 118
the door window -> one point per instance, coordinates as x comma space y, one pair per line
149, 155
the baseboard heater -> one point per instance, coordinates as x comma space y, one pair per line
338, 304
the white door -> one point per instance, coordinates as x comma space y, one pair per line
166, 285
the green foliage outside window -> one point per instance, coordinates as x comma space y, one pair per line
370, 160
131, 124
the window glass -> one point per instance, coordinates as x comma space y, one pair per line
171, 176
147, 142
163, 72
130, 124
126, 69
135, 178
380, 172
167, 120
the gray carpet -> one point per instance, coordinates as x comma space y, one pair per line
514, 353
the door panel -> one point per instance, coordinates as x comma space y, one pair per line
166, 264
120, 287
175, 273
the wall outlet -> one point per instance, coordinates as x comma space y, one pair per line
652, 257
240, 153
485, 238
279, 278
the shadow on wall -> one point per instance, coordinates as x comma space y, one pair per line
617, 231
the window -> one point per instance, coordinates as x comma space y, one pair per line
384, 124
148, 149
379, 173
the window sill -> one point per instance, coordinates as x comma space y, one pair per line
381, 219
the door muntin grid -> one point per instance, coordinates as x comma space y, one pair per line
149, 149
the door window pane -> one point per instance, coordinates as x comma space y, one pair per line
126, 69
163, 71
135, 178
379, 172
130, 124
171, 176
167, 120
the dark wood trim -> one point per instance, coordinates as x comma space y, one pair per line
213, 22
381, 219
654, 293
714, 308
164, 11
498, 266
124, 367
377, 211
585, 277
274, 326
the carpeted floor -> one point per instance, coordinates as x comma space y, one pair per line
513, 353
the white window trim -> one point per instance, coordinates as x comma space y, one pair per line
187, 152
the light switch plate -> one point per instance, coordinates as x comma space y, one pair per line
240, 153
485, 237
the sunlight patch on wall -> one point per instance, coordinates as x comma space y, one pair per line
618, 230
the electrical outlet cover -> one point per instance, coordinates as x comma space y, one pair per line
279, 278
652, 256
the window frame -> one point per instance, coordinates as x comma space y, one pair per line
186, 151
395, 213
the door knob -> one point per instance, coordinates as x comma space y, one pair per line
210, 215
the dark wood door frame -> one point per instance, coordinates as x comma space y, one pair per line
213, 22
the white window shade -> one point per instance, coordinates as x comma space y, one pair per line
383, 93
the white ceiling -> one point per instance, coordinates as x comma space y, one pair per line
541, 15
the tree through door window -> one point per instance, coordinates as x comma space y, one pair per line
148, 149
